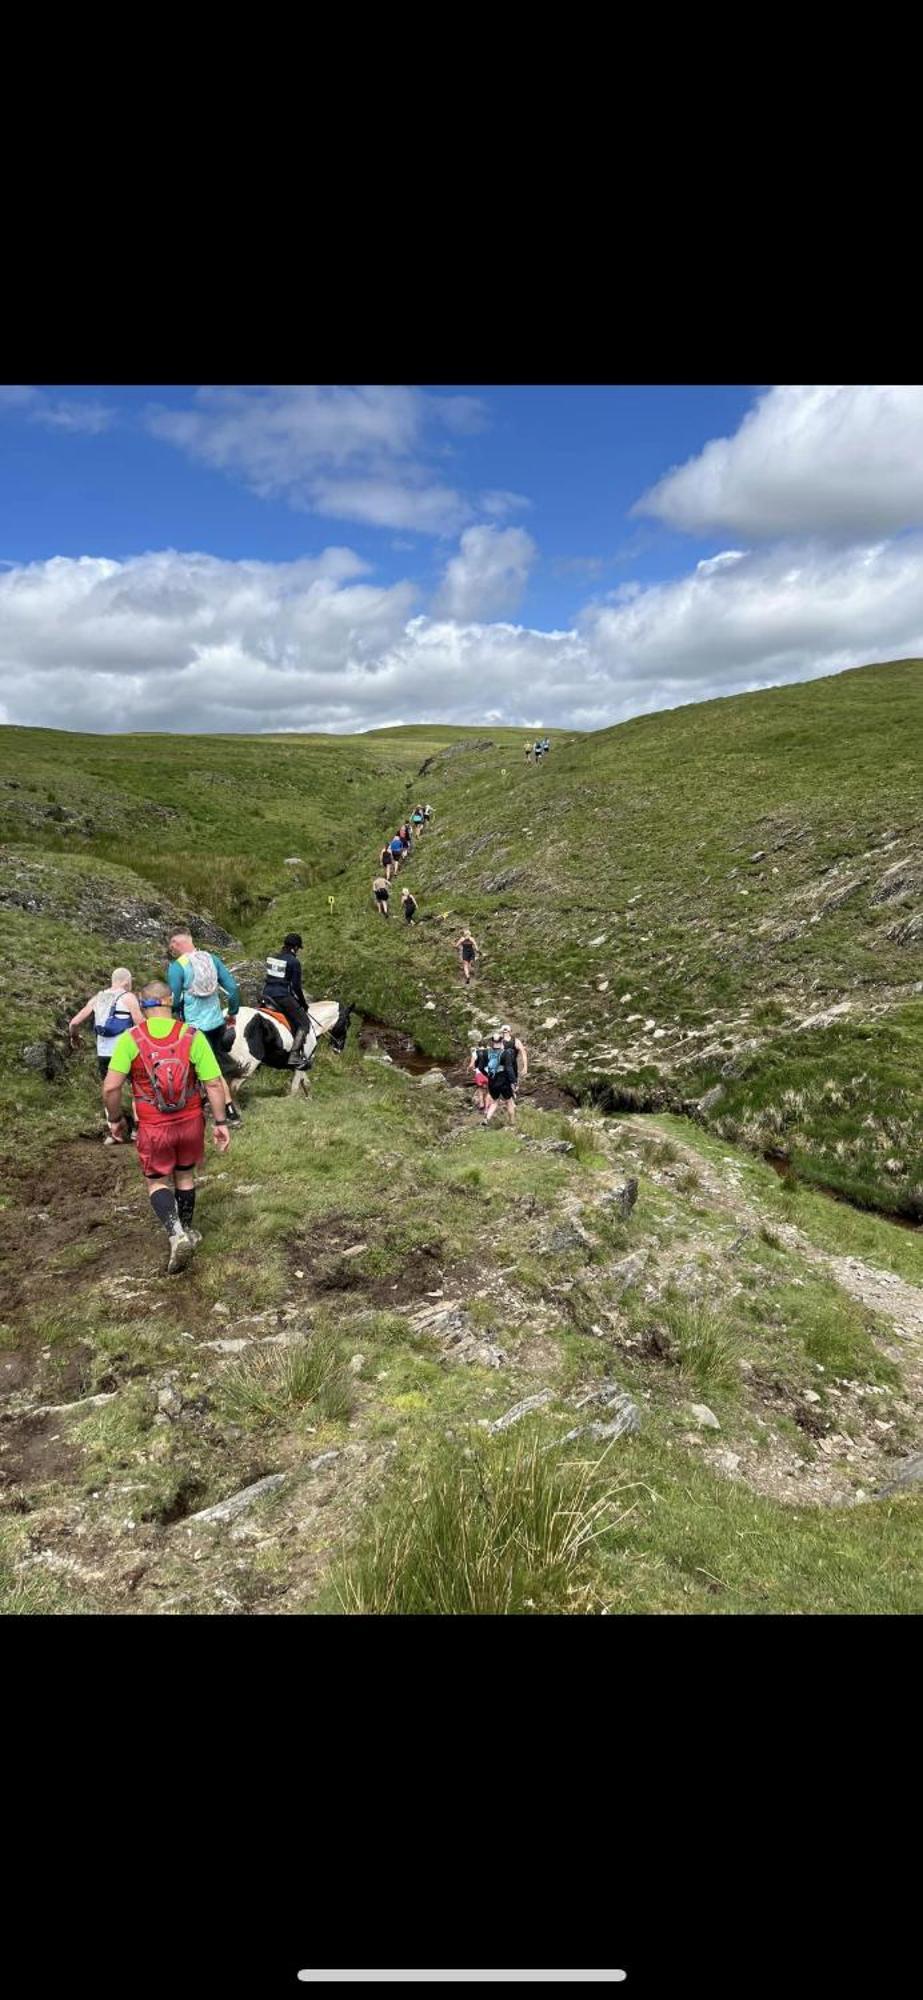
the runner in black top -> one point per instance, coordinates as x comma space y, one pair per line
468, 952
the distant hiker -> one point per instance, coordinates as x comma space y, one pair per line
397, 852
197, 980
529, 749
416, 819
468, 952
386, 863
501, 1079
382, 894
410, 905
520, 1057
167, 1060
478, 1063
115, 1009
283, 990
428, 815
406, 835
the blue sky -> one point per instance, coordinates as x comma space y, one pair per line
343, 557
582, 456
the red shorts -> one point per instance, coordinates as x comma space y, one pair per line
167, 1143
480, 1079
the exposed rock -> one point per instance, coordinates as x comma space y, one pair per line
568, 1236
908, 1474
908, 931
293, 861
356, 1363
621, 1198
44, 1056
903, 878
712, 1098
431, 1076
760, 854
68, 1409
841, 896
521, 1410
624, 1416
627, 1272
704, 1417
503, 881
236, 1503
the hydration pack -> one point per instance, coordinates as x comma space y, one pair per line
169, 1083
496, 1061
204, 979
112, 1022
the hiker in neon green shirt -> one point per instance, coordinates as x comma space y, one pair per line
167, 1061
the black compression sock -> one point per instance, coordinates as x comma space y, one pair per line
185, 1202
163, 1203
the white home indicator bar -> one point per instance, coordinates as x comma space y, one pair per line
464, 1978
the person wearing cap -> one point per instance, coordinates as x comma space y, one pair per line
501, 1078
283, 990
520, 1058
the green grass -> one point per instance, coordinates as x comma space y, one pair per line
704, 1338
639, 836
267, 1387
501, 1529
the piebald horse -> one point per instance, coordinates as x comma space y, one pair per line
262, 1036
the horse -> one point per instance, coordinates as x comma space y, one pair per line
262, 1036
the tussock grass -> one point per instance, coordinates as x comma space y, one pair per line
705, 1340
264, 1388
496, 1530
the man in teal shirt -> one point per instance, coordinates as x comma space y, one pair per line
197, 979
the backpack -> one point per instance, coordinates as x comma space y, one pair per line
496, 1061
170, 1079
114, 1023
204, 979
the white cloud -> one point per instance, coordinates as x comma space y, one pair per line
840, 462
356, 454
174, 641
499, 503
66, 413
392, 503
489, 573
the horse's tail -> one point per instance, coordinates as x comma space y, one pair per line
340, 1029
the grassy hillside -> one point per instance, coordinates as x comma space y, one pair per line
358, 1318
724, 902
717, 909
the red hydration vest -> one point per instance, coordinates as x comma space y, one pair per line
162, 1078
